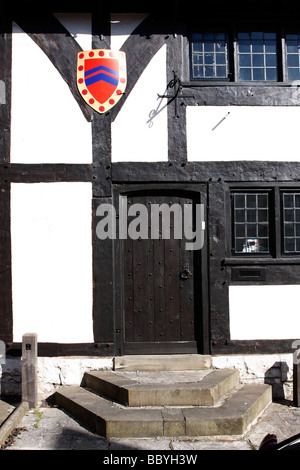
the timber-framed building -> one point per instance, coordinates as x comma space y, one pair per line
210, 116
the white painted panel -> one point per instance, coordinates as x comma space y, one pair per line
47, 124
264, 312
140, 133
79, 26
122, 25
52, 261
229, 133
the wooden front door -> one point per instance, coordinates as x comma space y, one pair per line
161, 282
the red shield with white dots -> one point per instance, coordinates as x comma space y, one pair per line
101, 77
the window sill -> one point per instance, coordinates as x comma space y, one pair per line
260, 260
212, 83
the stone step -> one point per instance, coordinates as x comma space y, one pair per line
163, 362
193, 388
109, 419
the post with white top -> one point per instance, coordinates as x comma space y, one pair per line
29, 369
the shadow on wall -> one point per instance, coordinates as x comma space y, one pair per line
10, 377
279, 378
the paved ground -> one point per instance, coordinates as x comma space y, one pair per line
50, 428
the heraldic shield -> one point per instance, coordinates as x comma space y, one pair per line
101, 77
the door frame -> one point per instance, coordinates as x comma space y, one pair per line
198, 192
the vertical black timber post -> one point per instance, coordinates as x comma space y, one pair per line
101, 125
218, 282
176, 109
103, 250
103, 280
5, 234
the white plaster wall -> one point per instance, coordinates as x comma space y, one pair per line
52, 261
140, 133
264, 312
47, 125
247, 133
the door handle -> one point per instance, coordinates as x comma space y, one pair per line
185, 273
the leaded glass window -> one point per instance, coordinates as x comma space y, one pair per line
293, 56
291, 222
257, 56
250, 222
209, 55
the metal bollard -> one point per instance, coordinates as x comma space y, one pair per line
29, 369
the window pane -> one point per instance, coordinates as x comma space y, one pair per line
289, 215
209, 72
209, 46
245, 60
244, 46
257, 46
258, 60
251, 200
262, 215
258, 74
293, 60
257, 35
289, 245
288, 200
208, 58
251, 231
220, 59
292, 47
289, 230
240, 216
270, 47
262, 231
220, 46
271, 60
245, 74
262, 200
240, 230
293, 74
221, 71
271, 74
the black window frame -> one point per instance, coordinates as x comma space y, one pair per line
253, 235
296, 223
214, 31
254, 190
276, 192
231, 30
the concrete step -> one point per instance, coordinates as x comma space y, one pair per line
109, 419
162, 388
163, 362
